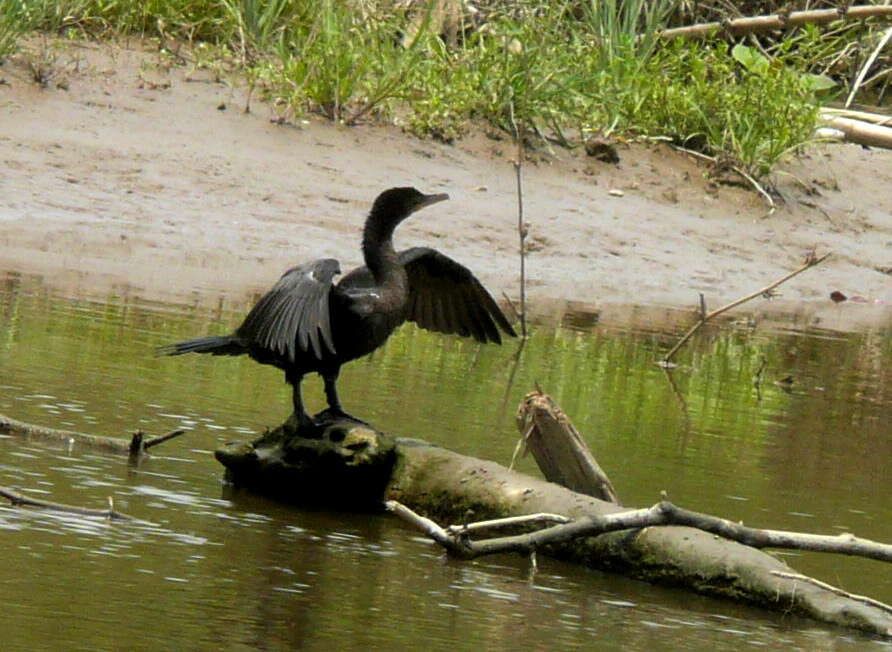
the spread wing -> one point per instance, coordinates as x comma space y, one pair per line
294, 314
444, 296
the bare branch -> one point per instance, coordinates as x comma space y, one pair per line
867, 65
521, 227
455, 538
452, 543
160, 439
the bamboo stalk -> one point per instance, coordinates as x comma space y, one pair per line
742, 26
862, 133
831, 113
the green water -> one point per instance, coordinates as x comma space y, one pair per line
213, 569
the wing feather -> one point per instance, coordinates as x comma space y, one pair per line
444, 296
293, 317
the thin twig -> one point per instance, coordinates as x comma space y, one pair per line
160, 439
521, 227
758, 187
746, 176
810, 261
19, 499
510, 521
694, 153
867, 65
511, 305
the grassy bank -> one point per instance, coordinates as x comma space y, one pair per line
557, 69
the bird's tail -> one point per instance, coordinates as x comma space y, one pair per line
214, 344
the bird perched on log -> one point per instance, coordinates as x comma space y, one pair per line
307, 323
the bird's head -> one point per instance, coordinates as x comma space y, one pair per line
396, 204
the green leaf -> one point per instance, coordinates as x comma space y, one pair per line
817, 82
750, 58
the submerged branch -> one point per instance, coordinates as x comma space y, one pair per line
835, 589
18, 499
137, 445
810, 261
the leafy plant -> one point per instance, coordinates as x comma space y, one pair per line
258, 24
559, 69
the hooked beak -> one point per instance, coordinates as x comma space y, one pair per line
429, 200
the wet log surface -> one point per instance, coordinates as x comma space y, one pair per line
349, 465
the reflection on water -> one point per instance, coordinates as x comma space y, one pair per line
205, 566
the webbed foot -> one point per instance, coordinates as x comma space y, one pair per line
336, 414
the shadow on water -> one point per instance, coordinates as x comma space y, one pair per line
213, 566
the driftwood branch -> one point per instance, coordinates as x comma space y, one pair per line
752, 24
18, 499
810, 261
137, 444
559, 450
456, 541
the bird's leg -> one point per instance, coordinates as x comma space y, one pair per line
334, 411
331, 390
303, 419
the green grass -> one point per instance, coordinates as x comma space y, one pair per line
561, 70
12, 26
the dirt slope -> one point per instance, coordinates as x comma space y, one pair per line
137, 177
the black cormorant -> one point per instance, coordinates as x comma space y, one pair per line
306, 323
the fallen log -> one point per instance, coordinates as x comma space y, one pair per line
349, 464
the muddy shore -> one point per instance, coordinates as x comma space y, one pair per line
154, 180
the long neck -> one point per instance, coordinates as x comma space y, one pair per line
377, 248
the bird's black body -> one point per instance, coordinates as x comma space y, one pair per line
306, 323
